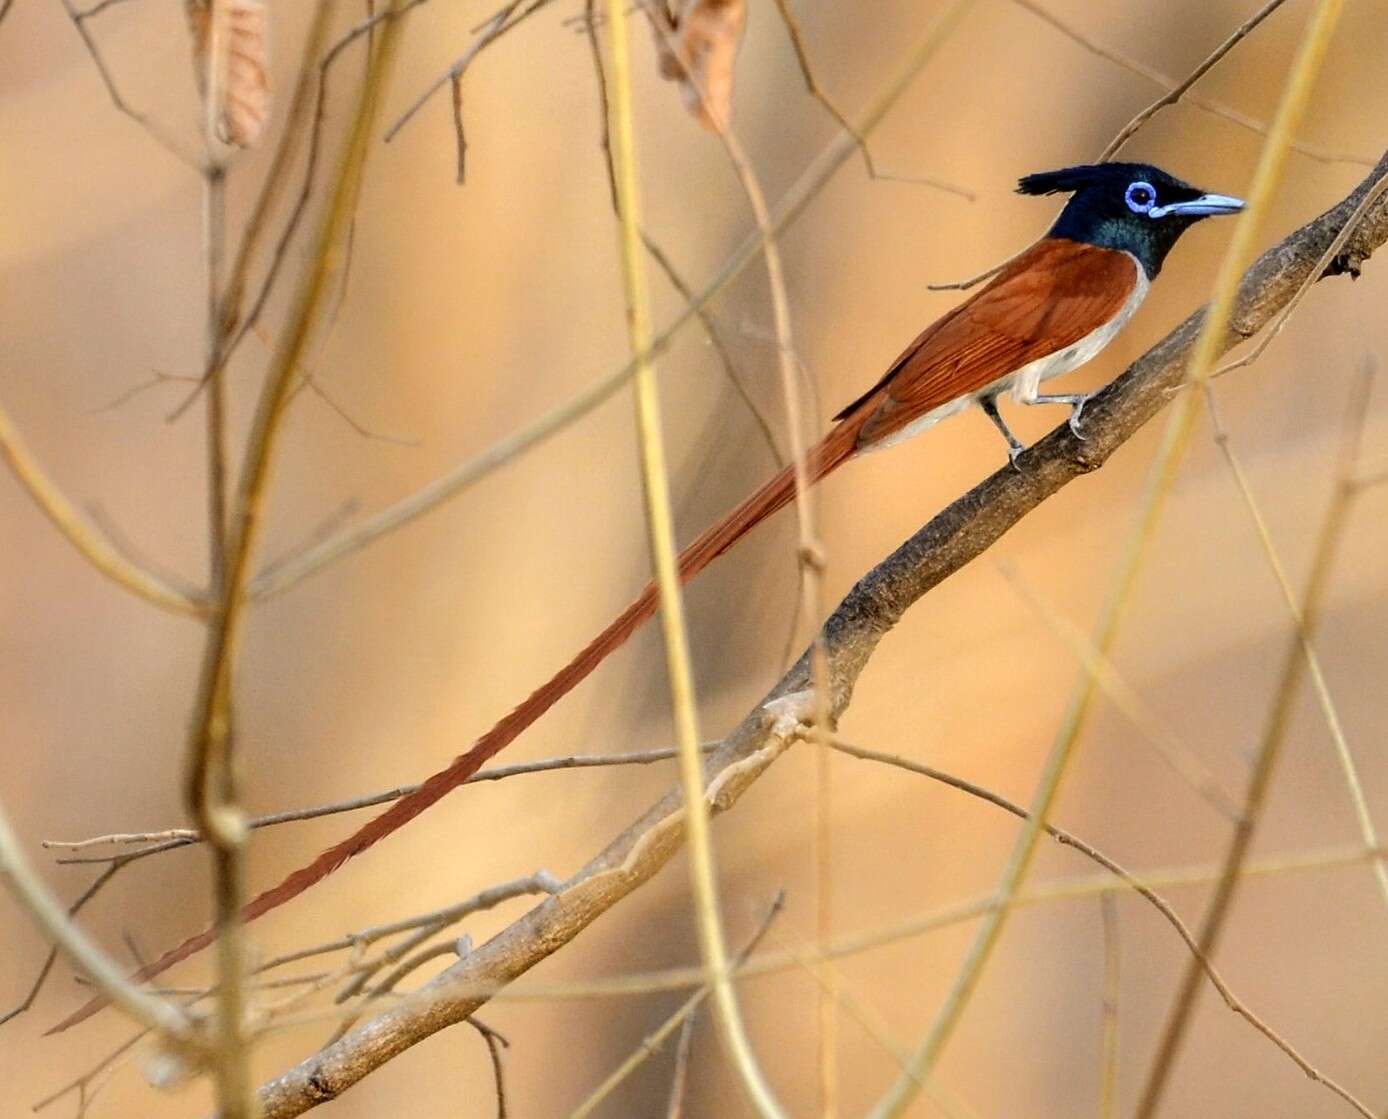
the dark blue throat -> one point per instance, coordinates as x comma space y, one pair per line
1093, 222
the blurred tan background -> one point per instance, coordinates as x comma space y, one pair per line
473, 309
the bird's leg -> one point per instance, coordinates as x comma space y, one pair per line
989, 404
1076, 400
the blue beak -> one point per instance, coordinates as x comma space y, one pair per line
1204, 206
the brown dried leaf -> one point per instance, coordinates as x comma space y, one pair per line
701, 38
245, 107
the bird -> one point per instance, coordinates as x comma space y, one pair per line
1047, 311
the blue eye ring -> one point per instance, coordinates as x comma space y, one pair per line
1141, 196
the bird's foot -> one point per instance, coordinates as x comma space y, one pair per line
1014, 452
1076, 409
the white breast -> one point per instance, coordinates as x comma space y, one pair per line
1024, 382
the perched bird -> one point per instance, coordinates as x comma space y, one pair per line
1044, 313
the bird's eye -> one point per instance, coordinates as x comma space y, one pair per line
1140, 197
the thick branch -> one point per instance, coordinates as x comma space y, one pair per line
952, 539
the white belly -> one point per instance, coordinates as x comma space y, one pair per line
1024, 382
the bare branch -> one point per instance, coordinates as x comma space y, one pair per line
311, 383
95, 547
167, 140
1332, 252
662, 259
490, 31
802, 59
97, 8
170, 838
495, 1043
1176, 90
947, 543
30, 892
52, 957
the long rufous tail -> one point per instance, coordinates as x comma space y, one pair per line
835, 449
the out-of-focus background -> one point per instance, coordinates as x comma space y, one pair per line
471, 310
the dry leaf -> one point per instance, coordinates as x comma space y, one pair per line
705, 35
245, 104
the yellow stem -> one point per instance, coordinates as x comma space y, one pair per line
661, 530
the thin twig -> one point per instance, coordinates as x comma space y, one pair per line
214, 802
541, 882
97, 8
165, 139
810, 547
973, 281
426, 927
95, 547
72, 910
157, 378
1183, 760
1200, 961
1177, 91
1296, 94
1156, 77
651, 1043
1367, 831
490, 31
802, 58
30, 892
461, 477
674, 1108
81, 1084
311, 383
168, 839
662, 259
1108, 1064
495, 1043
660, 527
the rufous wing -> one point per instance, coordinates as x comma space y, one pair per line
1050, 297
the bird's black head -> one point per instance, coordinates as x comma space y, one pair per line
1131, 206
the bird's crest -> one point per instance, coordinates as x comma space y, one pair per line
1070, 179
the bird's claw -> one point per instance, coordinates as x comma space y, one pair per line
1075, 411
1013, 454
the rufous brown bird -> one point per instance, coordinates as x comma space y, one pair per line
1045, 313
